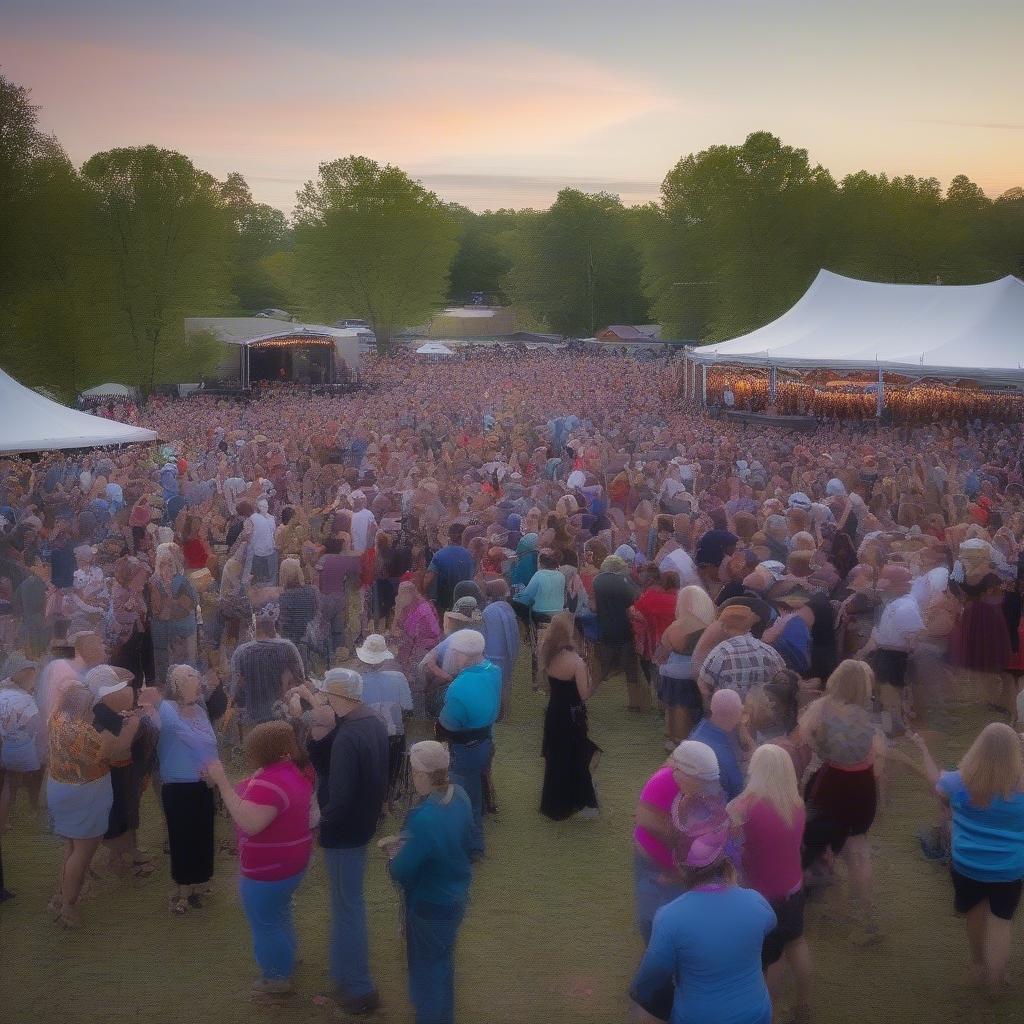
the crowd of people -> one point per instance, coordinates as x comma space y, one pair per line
309, 579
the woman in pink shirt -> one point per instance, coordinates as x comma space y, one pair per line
685, 790
769, 815
271, 811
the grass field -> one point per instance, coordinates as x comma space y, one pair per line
549, 935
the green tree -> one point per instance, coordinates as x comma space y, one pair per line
260, 231
577, 266
743, 231
163, 237
487, 245
372, 243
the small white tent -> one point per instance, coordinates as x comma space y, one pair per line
973, 331
31, 423
434, 348
109, 391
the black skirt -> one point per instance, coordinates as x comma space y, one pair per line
188, 808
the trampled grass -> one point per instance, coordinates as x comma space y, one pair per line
549, 935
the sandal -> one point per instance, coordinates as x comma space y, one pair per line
143, 870
179, 905
69, 918
195, 901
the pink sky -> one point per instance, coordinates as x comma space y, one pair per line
505, 114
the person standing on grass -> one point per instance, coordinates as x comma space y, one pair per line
471, 705
770, 817
986, 799
271, 812
349, 750
20, 726
703, 963
78, 795
719, 731
187, 743
431, 860
263, 669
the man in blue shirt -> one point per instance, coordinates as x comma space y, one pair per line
471, 705
450, 566
718, 731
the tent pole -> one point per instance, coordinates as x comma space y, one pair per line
773, 384
880, 397
704, 385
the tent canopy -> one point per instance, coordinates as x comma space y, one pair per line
31, 423
434, 348
973, 331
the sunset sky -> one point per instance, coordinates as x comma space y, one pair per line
502, 103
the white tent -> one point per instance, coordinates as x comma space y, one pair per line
109, 391
434, 348
973, 331
31, 423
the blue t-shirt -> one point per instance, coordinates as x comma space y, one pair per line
452, 564
988, 842
473, 698
726, 750
707, 943
545, 593
433, 865
185, 746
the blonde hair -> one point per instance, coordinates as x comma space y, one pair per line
773, 779
851, 683
559, 637
290, 574
993, 765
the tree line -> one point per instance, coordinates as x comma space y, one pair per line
99, 265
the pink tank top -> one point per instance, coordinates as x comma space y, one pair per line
771, 851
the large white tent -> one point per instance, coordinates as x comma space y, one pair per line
434, 348
970, 331
29, 422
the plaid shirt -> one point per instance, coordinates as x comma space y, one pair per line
258, 671
740, 663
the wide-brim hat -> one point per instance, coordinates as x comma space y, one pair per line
374, 650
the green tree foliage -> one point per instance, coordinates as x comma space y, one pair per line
740, 236
577, 266
372, 243
260, 231
487, 244
163, 240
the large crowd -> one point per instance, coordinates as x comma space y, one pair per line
311, 578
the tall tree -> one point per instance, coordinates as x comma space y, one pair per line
742, 233
372, 243
577, 266
484, 258
260, 231
163, 234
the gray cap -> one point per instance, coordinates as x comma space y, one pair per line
14, 664
342, 682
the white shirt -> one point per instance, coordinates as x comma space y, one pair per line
928, 586
680, 562
361, 523
577, 478
901, 621
233, 488
263, 527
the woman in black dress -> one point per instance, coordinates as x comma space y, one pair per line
567, 749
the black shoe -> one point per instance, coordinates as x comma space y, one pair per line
358, 1006
195, 901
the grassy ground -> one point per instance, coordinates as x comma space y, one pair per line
549, 935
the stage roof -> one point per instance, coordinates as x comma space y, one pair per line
969, 331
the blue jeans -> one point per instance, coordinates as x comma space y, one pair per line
467, 768
350, 943
651, 891
430, 931
268, 906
